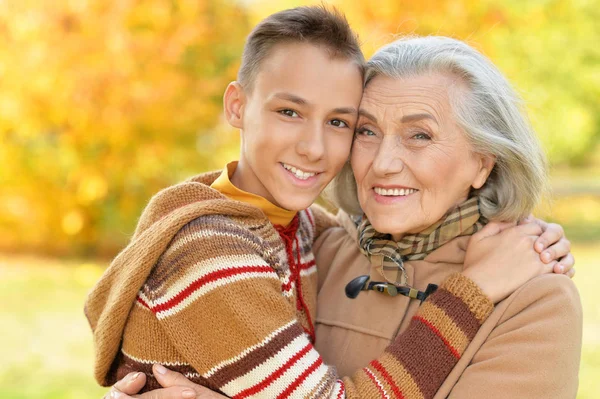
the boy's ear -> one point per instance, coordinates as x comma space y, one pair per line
486, 164
234, 101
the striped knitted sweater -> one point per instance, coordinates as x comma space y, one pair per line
211, 289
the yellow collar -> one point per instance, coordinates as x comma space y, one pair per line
275, 214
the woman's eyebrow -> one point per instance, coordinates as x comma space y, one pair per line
368, 115
417, 117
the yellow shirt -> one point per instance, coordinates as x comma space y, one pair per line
275, 214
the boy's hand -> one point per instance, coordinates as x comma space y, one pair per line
553, 245
176, 386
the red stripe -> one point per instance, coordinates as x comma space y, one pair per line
388, 378
304, 266
439, 334
287, 286
209, 278
140, 300
301, 379
275, 375
310, 219
372, 377
342, 389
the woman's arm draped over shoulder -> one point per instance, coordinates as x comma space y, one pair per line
533, 350
227, 316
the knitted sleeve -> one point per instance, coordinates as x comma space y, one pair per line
222, 307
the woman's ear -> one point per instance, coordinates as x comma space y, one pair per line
234, 101
486, 164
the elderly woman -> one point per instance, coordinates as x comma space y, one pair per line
441, 145
441, 148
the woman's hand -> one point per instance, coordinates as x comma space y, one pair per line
176, 386
501, 257
553, 245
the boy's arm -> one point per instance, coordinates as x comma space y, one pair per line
230, 320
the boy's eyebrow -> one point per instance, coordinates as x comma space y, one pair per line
300, 101
345, 110
291, 97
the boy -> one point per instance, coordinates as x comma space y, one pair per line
219, 282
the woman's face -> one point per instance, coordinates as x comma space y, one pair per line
411, 161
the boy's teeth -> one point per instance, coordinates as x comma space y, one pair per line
395, 191
298, 173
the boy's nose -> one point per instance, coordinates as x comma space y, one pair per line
312, 144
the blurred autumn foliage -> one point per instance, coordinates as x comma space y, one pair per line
103, 103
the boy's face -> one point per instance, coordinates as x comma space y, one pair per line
297, 124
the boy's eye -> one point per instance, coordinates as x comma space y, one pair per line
338, 123
289, 112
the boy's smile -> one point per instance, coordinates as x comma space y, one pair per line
297, 123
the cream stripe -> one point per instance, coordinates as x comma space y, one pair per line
385, 394
290, 375
208, 233
150, 361
204, 268
267, 368
249, 350
309, 271
205, 289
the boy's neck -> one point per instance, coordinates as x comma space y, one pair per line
245, 180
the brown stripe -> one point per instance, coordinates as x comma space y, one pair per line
457, 310
466, 290
257, 357
425, 356
191, 252
445, 325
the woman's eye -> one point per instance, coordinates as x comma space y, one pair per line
422, 136
338, 123
289, 112
364, 132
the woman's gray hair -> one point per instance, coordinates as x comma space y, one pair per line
489, 112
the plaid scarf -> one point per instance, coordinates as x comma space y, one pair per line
388, 256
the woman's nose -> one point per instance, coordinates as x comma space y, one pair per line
389, 157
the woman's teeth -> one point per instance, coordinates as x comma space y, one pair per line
299, 173
395, 191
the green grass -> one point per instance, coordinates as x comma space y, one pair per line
46, 347
46, 343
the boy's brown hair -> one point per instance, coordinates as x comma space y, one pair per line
317, 25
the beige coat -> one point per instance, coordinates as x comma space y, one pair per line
529, 347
